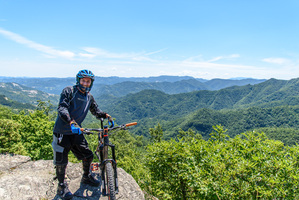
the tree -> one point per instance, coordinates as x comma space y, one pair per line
28, 133
156, 134
10, 139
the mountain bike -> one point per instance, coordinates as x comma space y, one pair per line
106, 165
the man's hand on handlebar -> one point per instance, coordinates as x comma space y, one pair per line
110, 121
75, 127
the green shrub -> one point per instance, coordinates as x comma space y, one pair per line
249, 166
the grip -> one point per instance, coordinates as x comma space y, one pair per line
131, 124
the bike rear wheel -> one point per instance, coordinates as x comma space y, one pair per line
109, 174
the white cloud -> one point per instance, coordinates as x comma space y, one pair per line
87, 55
200, 58
103, 54
91, 53
39, 47
155, 52
194, 58
229, 57
279, 61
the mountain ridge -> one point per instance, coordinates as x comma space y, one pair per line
25, 94
104, 85
153, 104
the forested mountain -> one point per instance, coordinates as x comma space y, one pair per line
119, 86
48, 85
169, 87
25, 94
31, 81
150, 107
15, 104
153, 103
239, 121
217, 84
124, 88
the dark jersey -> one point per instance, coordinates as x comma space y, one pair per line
74, 105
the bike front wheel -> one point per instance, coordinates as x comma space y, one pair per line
109, 174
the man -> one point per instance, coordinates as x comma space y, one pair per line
73, 107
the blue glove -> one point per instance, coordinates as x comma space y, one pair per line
75, 129
111, 123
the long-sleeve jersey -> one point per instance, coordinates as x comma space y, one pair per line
74, 105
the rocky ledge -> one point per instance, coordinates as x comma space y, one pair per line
21, 178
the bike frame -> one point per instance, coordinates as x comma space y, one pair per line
102, 152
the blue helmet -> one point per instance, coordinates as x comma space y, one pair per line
84, 74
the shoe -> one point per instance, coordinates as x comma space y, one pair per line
90, 180
64, 192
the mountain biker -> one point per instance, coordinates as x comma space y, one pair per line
73, 107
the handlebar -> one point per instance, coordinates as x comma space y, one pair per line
131, 124
122, 127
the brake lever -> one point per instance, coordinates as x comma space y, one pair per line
87, 133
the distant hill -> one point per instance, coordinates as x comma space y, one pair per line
99, 80
15, 104
48, 85
182, 86
124, 88
237, 120
120, 86
24, 94
217, 84
152, 106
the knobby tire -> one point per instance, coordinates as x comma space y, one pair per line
109, 174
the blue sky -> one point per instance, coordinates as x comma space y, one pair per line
140, 38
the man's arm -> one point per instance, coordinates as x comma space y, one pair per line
64, 104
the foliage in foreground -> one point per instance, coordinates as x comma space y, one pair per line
28, 134
249, 166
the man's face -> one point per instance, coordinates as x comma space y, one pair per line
85, 82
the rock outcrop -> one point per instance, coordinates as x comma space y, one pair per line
21, 178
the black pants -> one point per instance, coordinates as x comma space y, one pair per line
75, 143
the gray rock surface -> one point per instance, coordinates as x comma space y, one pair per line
21, 178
